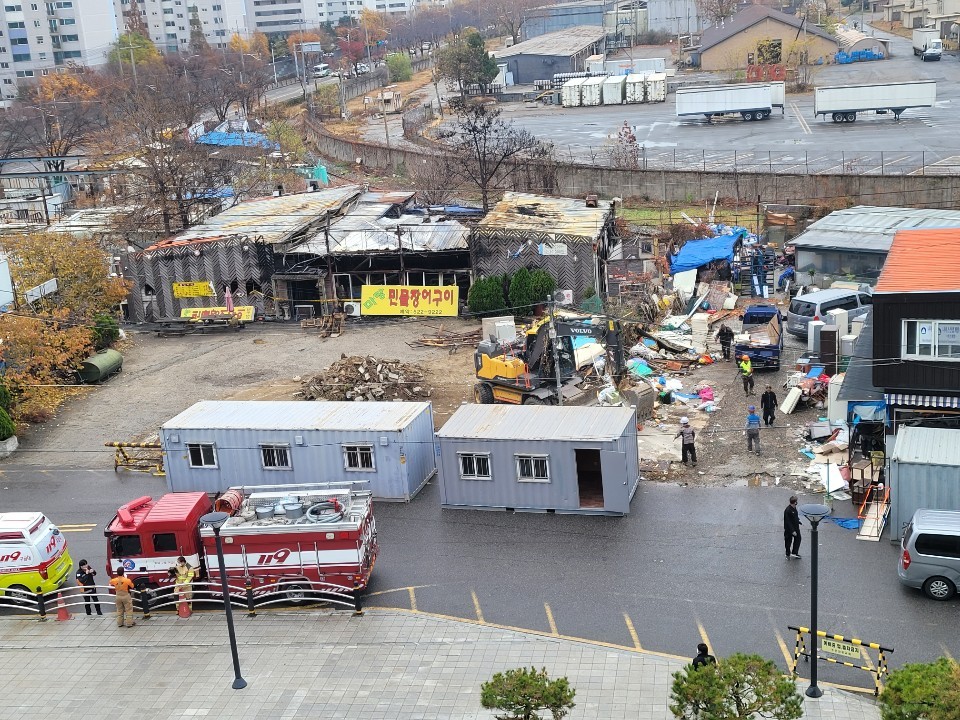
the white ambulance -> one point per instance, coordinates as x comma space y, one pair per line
33, 554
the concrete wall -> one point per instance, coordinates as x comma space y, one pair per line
732, 53
574, 180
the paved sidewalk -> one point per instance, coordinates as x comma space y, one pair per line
386, 664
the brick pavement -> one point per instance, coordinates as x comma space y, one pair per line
385, 665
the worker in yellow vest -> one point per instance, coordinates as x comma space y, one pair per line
184, 573
746, 373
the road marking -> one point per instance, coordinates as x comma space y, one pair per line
866, 656
476, 607
783, 648
800, 119
550, 621
398, 589
633, 632
703, 636
79, 527
413, 599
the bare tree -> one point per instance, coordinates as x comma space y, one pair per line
491, 149
716, 11
436, 178
510, 14
626, 151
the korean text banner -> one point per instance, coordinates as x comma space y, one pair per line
409, 300
241, 312
204, 288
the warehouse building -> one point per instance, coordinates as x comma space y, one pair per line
215, 445
540, 458
563, 51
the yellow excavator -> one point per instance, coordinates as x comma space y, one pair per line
524, 371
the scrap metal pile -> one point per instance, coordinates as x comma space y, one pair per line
366, 378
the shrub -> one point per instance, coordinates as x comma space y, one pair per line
521, 693
6, 399
922, 691
106, 330
399, 66
521, 291
486, 296
543, 284
7, 428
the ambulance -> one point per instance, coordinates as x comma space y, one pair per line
33, 554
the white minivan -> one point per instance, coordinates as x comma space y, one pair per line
930, 553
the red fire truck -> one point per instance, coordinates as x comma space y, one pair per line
285, 540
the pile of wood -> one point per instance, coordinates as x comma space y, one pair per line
325, 326
447, 339
367, 378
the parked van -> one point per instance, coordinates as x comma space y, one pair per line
33, 554
816, 305
930, 557
321, 71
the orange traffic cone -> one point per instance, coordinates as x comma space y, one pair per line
183, 608
62, 612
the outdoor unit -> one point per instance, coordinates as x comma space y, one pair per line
352, 309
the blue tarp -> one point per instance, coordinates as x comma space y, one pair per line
697, 253
237, 139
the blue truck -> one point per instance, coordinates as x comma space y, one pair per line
761, 338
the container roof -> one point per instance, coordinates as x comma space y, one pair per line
526, 422
870, 229
927, 446
922, 261
295, 415
545, 214
562, 43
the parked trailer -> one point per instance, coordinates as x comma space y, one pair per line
638, 65
570, 92
592, 91
636, 88
843, 102
656, 87
614, 90
751, 101
778, 94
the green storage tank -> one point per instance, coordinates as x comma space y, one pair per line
99, 366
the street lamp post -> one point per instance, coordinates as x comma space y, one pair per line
814, 512
215, 520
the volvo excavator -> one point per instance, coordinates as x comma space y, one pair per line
524, 372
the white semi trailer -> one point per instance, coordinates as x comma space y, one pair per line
842, 103
751, 101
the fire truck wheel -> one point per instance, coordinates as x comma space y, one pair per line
296, 593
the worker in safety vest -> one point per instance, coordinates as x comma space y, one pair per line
183, 573
746, 374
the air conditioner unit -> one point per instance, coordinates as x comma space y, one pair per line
352, 309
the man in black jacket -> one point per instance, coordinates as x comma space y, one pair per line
85, 579
703, 657
725, 336
791, 529
768, 403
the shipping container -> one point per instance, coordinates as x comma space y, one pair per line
636, 88
656, 90
924, 473
843, 102
595, 64
614, 90
752, 101
592, 91
215, 445
570, 92
540, 458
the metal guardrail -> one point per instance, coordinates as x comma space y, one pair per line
167, 598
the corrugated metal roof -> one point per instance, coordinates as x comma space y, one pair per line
545, 214
295, 415
562, 43
870, 229
747, 18
922, 261
92, 220
525, 422
272, 219
927, 446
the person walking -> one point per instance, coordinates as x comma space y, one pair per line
768, 404
122, 585
752, 430
725, 336
183, 572
687, 446
703, 657
746, 373
791, 529
85, 579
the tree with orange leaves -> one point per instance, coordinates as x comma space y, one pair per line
257, 44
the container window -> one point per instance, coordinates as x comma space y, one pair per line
533, 468
275, 457
202, 455
475, 466
358, 457
938, 545
165, 542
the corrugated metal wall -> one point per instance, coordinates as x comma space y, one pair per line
318, 459
914, 486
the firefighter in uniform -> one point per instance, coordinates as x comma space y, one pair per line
183, 573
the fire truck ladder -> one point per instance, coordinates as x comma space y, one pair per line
873, 513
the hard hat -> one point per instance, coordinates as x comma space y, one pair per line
684, 421
745, 357
752, 408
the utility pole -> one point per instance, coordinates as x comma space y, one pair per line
383, 106
552, 334
273, 61
399, 232
133, 63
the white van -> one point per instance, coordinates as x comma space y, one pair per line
321, 71
33, 554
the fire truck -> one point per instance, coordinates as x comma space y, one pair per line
292, 541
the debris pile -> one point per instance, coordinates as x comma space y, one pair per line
368, 378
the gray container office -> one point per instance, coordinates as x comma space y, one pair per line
924, 473
539, 458
214, 445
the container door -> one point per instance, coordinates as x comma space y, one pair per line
616, 489
589, 478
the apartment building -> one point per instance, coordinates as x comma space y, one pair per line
170, 22
39, 38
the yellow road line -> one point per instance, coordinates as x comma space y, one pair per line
550, 621
865, 655
787, 655
79, 527
413, 599
703, 636
397, 589
633, 632
476, 607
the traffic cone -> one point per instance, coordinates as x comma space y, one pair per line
183, 608
62, 612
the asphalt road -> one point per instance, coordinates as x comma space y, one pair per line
687, 563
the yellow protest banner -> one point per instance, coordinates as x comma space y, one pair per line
409, 300
241, 312
203, 288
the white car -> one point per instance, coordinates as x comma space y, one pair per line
362, 68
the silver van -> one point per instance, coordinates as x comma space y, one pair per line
930, 553
816, 305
